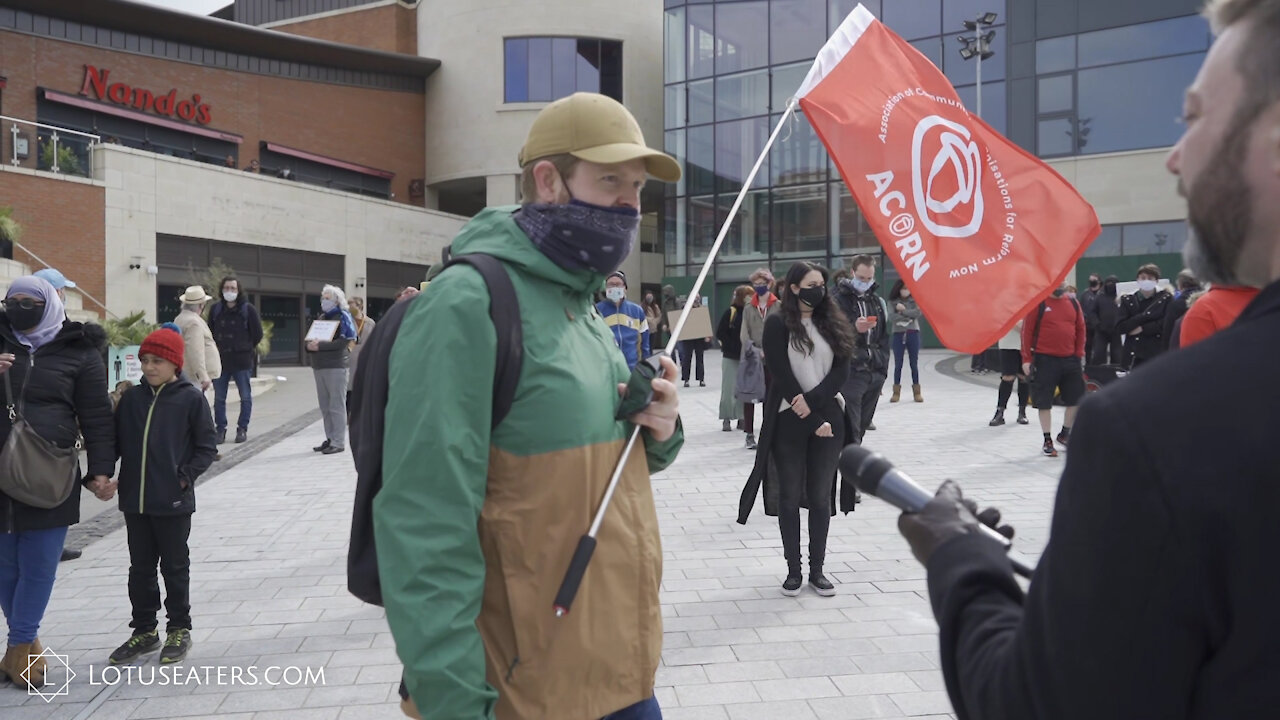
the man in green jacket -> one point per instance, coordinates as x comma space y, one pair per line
474, 528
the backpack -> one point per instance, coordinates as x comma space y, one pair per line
369, 400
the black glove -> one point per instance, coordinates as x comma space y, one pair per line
948, 515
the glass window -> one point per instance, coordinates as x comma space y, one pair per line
675, 145
738, 144
588, 64
797, 29
800, 158
1055, 94
701, 102
786, 81
702, 157
564, 66
675, 113
1149, 40
749, 233
1133, 106
1107, 244
702, 229
932, 49
849, 228
517, 69
1056, 55
799, 221
673, 39
674, 226
739, 96
539, 69
840, 9
1149, 238
961, 71
741, 29
611, 69
994, 103
955, 12
913, 19
1055, 137
701, 41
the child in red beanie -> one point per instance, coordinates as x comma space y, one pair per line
165, 439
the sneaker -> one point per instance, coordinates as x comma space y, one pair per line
821, 585
177, 643
686, 383
1049, 450
332, 450
791, 587
139, 644
242, 435
751, 441
69, 554
222, 435
1064, 437
726, 427
1022, 417
998, 420
701, 384
871, 426
321, 447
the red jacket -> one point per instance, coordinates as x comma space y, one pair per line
1061, 329
1214, 311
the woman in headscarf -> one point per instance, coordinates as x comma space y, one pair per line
59, 384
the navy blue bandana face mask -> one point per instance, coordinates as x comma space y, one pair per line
581, 236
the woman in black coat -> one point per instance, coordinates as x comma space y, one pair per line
729, 333
807, 347
59, 384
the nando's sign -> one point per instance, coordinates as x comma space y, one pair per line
97, 83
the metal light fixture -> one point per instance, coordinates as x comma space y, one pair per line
979, 46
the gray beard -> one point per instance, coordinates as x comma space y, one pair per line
1206, 264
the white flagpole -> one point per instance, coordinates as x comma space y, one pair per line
586, 545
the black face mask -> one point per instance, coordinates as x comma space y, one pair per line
23, 319
812, 296
1094, 283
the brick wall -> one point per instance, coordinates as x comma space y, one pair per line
63, 221
379, 128
390, 27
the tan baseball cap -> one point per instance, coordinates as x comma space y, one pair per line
597, 129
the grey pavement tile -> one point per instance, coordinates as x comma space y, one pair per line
702, 712
817, 666
875, 683
744, 670
796, 688
792, 710
858, 707
921, 703
716, 693
277, 698
178, 706
364, 712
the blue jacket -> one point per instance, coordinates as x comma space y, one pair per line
630, 329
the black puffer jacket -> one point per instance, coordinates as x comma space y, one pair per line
61, 389
166, 441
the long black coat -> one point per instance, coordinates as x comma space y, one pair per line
1156, 596
821, 402
1148, 313
62, 393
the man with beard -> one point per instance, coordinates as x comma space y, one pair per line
1156, 593
869, 316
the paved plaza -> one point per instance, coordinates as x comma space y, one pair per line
269, 586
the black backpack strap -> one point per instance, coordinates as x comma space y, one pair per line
504, 310
1035, 335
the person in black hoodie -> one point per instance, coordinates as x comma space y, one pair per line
807, 347
1141, 318
165, 437
59, 384
869, 315
1106, 339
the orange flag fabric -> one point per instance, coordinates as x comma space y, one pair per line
980, 230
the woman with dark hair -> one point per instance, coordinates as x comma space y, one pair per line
807, 347
729, 333
906, 338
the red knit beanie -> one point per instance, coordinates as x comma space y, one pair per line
166, 344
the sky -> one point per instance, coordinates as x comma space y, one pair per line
200, 7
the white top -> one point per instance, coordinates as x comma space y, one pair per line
810, 368
1012, 341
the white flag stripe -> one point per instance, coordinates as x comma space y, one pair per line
838, 45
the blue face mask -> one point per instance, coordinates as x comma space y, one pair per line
327, 306
581, 236
861, 286
762, 290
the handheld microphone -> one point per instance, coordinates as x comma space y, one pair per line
876, 476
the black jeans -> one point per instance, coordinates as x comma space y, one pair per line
159, 539
1106, 348
861, 396
806, 470
689, 350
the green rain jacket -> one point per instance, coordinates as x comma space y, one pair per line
475, 529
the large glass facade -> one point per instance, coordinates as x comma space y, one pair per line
731, 67
1116, 89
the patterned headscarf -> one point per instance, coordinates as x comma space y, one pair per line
54, 311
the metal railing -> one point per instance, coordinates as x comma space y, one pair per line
57, 149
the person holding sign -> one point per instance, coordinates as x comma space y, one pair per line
329, 341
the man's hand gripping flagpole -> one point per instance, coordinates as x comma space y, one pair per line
639, 391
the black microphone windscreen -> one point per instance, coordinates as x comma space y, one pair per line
864, 467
